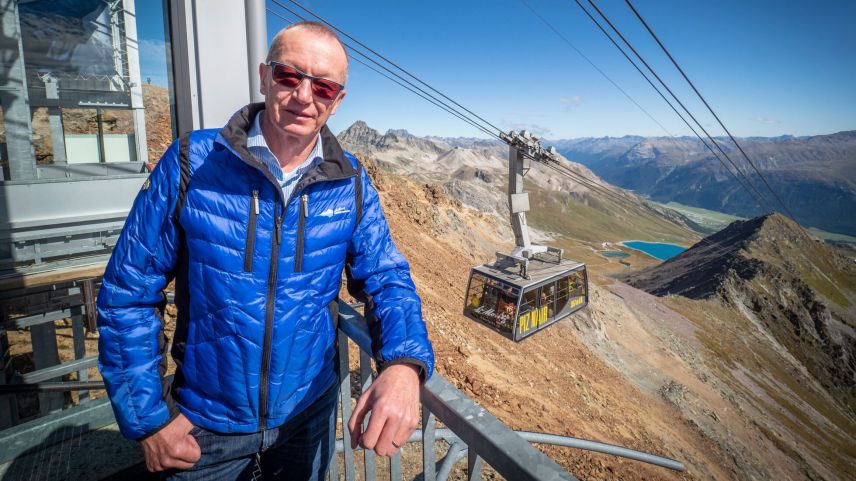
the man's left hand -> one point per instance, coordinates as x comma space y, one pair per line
393, 399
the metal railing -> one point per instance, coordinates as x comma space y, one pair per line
470, 429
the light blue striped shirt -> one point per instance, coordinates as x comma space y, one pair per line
260, 150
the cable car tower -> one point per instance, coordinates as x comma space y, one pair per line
532, 287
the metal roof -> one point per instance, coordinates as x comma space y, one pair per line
539, 271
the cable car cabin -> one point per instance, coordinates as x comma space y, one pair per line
500, 298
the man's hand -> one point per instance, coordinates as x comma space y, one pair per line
393, 399
172, 446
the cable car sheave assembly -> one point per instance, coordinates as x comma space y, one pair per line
532, 287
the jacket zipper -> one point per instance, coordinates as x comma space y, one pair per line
269, 312
251, 232
301, 227
276, 241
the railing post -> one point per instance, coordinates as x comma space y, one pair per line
474, 466
46, 354
395, 466
365, 382
345, 395
428, 466
78, 337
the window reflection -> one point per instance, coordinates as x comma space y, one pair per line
492, 303
95, 81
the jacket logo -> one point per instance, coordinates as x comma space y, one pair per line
331, 212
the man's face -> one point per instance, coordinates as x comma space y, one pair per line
296, 114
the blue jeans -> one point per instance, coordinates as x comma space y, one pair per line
300, 449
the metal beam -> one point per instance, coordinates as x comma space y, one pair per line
485, 435
13, 96
61, 369
256, 20
136, 84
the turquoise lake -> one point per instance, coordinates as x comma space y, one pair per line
657, 250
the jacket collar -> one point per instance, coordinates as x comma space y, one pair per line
334, 166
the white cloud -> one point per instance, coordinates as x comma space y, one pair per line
765, 120
535, 129
574, 101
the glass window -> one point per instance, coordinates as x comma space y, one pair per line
563, 295
491, 302
571, 289
548, 299
97, 78
531, 300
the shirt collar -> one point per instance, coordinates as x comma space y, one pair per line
257, 146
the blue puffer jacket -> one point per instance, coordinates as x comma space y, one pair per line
255, 287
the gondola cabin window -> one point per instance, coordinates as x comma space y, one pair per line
518, 306
492, 303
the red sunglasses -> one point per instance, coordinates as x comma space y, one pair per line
290, 77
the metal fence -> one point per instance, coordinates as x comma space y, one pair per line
467, 430
470, 430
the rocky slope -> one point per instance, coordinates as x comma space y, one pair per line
698, 378
814, 176
686, 378
475, 172
802, 291
631, 369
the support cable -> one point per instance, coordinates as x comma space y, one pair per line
324, 21
556, 166
760, 198
402, 84
570, 44
675, 63
446, 106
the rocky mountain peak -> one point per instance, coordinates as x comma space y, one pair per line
794, 286
700, 271
360, 136
398, 133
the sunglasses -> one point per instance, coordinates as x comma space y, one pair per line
290, 77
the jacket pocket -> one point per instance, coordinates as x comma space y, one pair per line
301, 227
251, 231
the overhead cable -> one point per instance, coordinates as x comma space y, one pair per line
759, 196
675, 63
325, 22
570, 44
352, 48
473, 119
432, 100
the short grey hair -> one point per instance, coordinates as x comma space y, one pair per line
314, 27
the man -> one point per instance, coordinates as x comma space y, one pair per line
256, 222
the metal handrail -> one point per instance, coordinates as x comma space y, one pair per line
471, 430
486, 437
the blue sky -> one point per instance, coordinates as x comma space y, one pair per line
767, 67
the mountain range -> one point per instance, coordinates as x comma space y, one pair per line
475, 172
736, 357
815, 177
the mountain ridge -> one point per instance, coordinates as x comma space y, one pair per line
703, 380
814, 176
801, 290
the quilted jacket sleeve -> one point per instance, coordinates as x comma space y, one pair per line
393, 309
131, 346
